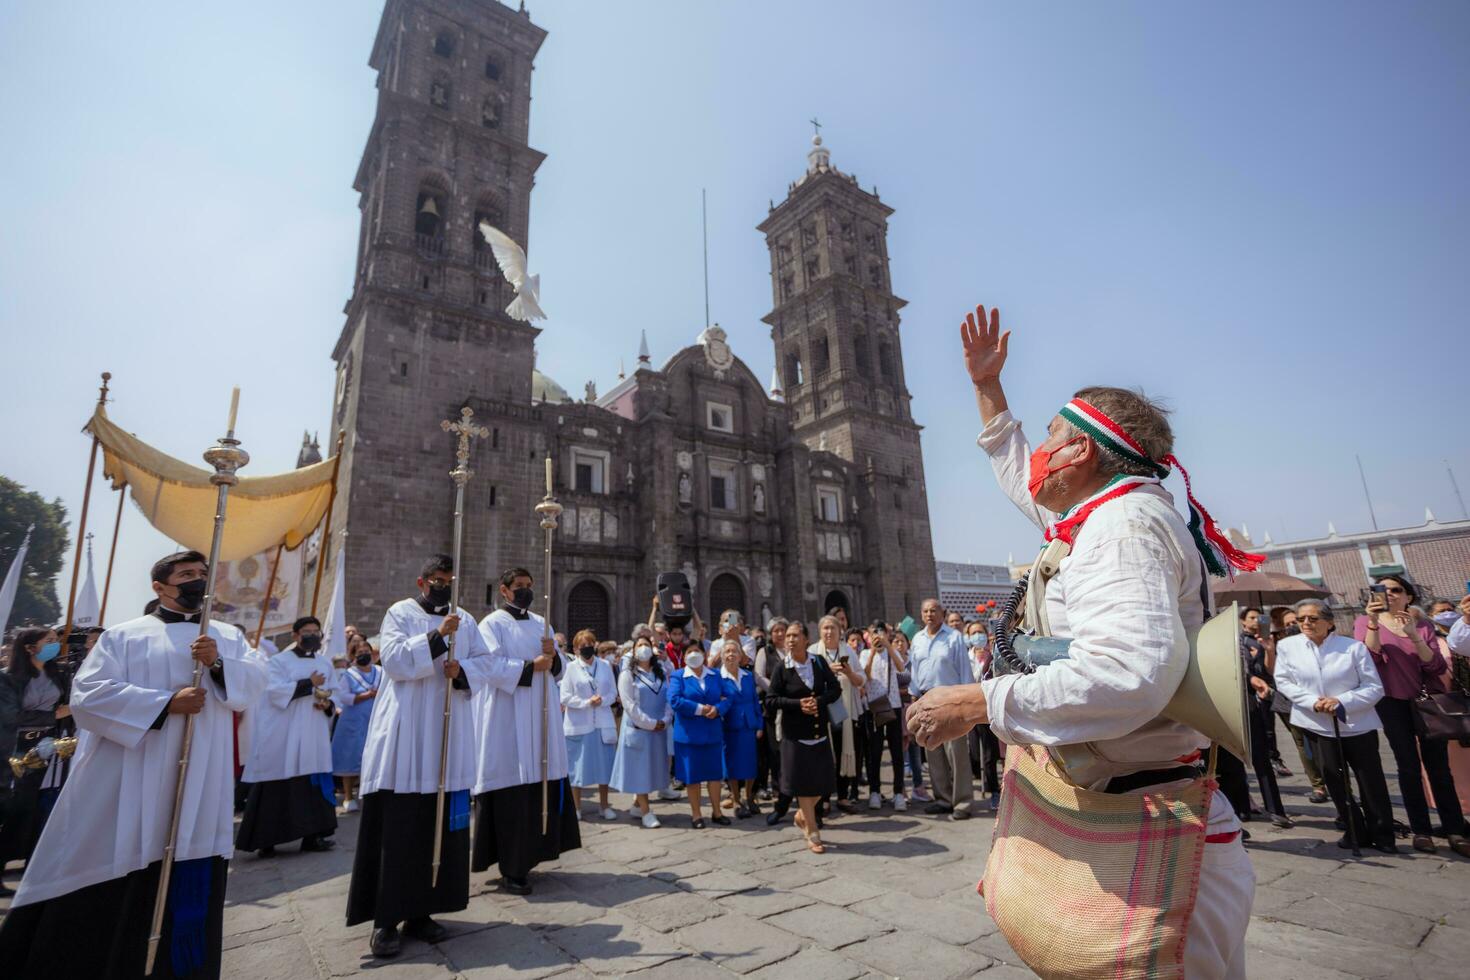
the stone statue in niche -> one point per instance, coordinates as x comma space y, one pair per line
760, 498
686, 489
766, 614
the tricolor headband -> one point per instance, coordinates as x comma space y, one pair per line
1220, 555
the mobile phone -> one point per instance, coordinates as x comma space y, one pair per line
1379, 589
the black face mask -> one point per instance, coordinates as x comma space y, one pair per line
522, 598
587, 653
363, 659
191, 594
439, 593
310, 642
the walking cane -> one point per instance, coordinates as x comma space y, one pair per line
549, 510
1347, 784
226, 457
465, 429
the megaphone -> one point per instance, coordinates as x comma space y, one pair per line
1210, 698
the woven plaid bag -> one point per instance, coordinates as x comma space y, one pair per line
1087, 884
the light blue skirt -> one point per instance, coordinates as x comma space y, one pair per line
589, 761
349, 737
643, 761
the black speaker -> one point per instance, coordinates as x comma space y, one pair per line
675, 601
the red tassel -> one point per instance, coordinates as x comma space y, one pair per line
1246, 561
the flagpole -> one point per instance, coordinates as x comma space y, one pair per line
270, 586
76, 564
122, 495
321, 557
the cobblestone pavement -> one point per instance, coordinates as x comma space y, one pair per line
894, 896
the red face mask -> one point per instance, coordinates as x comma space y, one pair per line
1041, 467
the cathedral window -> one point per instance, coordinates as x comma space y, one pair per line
721, 485
809, 235
829, 504
788, 285
850, 264
875, 275
444, 44
886, 367
862, 357
811, 270
793, 371
489, 214
439, 93
822, 356
492, 495
720, 418
492, 69
490, 113
589, 470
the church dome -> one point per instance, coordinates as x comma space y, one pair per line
546, 391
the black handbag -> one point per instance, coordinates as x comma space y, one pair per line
1442, 717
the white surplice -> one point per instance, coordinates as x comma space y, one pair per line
508, 717
112, 817
292, 737
401, 752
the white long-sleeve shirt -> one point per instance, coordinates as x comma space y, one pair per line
1127, 596
1459, 638
581, 681
628, 682
1341, 668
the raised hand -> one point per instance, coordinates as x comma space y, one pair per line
985, 346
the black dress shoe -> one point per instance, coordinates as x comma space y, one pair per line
721, 819
752, 809
516, 886
425, 929
773, 818
936, 808
386, 943
317, 843
698, 823
266, 852
1386, 847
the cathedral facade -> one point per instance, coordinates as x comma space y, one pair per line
788, 499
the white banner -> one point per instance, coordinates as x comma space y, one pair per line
240, 591
335, 631
12, 581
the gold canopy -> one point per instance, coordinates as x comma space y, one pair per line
179, 500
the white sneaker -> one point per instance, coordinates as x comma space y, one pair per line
609, 814
650, 821
667, 794
350, 806
899, 803
875, 801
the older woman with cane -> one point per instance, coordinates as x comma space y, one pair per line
1328, 677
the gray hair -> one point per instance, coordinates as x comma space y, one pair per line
731, 643
1323, 606
641, 630
1141, 417
828, 619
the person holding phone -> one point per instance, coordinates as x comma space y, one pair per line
1402, 643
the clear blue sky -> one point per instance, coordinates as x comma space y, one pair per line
1258, 211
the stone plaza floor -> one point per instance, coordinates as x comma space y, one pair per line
893, 897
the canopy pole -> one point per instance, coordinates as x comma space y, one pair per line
76, 564
122, 496
321, 558
270, 587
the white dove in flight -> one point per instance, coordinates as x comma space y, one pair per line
512, 261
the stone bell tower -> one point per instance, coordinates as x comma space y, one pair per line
425, 330
835, 326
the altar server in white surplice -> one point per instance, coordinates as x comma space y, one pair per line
85, 905
509, 714
292, 795
392, 869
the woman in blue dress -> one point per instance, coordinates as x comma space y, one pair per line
699, 703
642, 764
743, 728
355, 699
588, 692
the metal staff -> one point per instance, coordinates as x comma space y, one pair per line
549, 510
465, 429
226, 457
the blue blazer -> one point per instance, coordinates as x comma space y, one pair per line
745, 709
686, 695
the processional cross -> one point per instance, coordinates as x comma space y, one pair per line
466, 429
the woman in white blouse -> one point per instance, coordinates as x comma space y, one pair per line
588, 691
1325, 675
